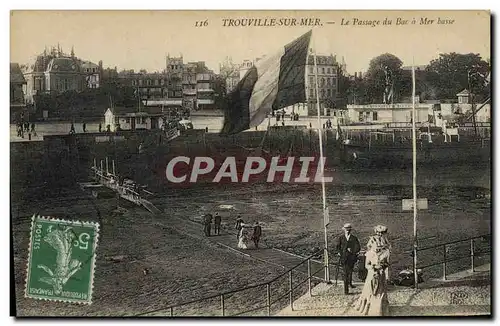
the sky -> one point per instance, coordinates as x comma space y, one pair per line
142, 39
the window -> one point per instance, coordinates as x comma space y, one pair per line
329, 70
149, 82
134, 82
93, 69
360, 117
375, 116
311, 92
140, 82
328, 92
66, 84
323, 93
323, 70
311, 80
311, 69
127, 120
162, 82
322, 82
328, 81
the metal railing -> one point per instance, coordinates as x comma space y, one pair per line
270, 300
444, 248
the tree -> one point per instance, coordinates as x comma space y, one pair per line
376, 76
453, 72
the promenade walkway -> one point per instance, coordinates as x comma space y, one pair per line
228, 240
464, 293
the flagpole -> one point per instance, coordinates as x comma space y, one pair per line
320, 131
414, 143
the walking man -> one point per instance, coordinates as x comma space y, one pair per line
348, 248
217, 221
84, 127
257, 233
100, 127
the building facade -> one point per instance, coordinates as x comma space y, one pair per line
92, 73
56, 72
17, 83
328, 69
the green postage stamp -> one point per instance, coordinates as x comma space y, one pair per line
61, 260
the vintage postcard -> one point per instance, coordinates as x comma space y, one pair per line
251, 163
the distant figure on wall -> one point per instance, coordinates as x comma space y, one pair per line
72, 129
100, 127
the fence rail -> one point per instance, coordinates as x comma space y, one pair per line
292, 288
269, 303
445, 257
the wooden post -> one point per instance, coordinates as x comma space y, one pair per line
222, 304
171, 311
309, 275
268, 290
472, 255
291, 291
444, 262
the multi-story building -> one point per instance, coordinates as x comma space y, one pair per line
17, 82
189, 85
92, 73
327, 83
56, 72
149, 88
231, 74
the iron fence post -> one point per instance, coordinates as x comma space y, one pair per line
444, 262
291, 292
472, 254
222, 304
309, 274
268, 290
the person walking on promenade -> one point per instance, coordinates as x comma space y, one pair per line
100, 127
207, 222
348, 248
373, 300
72, 129
217, 223
257, 233
238, 226
33, 131
84, 127
380, 241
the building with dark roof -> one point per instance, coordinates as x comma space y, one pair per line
56, 72
17, 82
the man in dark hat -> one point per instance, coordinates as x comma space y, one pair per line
217, 223
257, 233
348, 248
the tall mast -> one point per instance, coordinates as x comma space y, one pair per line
320, 131
414, 143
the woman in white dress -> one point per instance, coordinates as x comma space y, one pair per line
373, 300
243, 237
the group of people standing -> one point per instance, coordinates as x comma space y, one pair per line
24, 127
373, 299
244, 232
207, 224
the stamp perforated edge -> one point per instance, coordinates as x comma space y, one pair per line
95, 225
